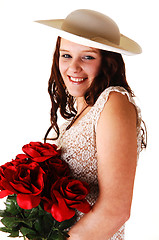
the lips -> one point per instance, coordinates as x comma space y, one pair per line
76, 79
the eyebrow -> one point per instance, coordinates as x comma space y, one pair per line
88, 51
63, 50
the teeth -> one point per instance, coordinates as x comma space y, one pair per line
76, 79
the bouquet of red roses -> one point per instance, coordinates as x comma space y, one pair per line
42, 195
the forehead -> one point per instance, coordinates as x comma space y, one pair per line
72, 46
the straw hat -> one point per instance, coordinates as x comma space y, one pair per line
93, 29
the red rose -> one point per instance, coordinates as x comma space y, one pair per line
25, 178
55, 168
40, 152
67, 195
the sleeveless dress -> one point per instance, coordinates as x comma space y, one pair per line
78, 145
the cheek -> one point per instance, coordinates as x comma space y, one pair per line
62, 67
94, 70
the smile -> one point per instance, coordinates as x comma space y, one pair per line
76, 80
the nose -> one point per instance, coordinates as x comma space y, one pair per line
75, 66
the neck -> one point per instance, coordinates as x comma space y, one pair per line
81, 104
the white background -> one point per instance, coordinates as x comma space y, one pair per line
26, 50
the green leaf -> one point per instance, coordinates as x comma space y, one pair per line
33, 213
48, 223
67, 224
9, 222
33, 237
24, 222
38, 224
12, 206
42, 212
14, 234
26, 231
26, 213
65, 233
3, 213
28, 223
49, 217
57, 235
40, 208
5, 229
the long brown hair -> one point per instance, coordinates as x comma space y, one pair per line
112, 73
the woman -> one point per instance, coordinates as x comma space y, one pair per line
103, 136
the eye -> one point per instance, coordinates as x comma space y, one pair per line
66, 56
88, 57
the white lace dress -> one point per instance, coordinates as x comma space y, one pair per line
78, 145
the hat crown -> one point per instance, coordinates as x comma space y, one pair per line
91, 25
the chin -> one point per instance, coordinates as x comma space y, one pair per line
76, 94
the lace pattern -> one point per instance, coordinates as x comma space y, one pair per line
78, 145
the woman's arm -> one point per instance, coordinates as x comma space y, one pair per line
117, 155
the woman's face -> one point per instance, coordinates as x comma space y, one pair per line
78, 65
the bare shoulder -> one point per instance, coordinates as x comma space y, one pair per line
116, 128
118, 108
119, 101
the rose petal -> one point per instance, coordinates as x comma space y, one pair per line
41, 159
9, 173
30, 151
82, 206
47, 203
5, 193
6, 185
60, 210
28, 201
21, 156
21, 187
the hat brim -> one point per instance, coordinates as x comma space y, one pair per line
127, 46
